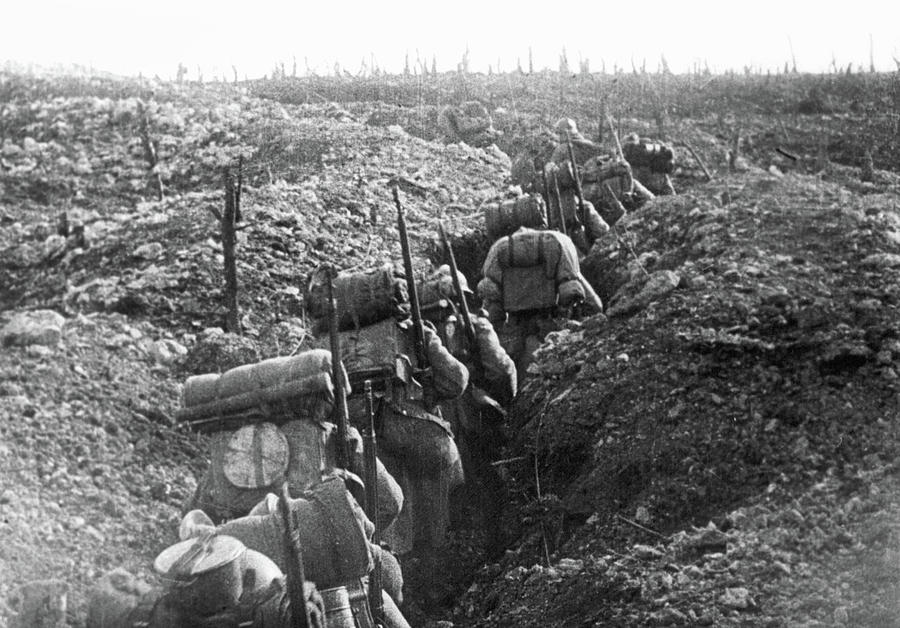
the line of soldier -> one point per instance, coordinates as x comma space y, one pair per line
589, 187
300, 517
296, 492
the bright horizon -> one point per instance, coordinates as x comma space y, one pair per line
129, 38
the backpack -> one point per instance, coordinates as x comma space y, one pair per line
504, 218
528, 267
363, 298
645, 153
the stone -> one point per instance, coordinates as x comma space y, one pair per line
710, 540
659, 285
570, 566
841, 616
113, 597
149, 251
669, 616
41, 603
35, 327
166, 351
642, 515
11, 389
37, 351
219, 352
737, 598
646, 552
882, 260
95, 534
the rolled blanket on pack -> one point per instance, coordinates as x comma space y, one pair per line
643, 152
506, 217
297, 386
363, 298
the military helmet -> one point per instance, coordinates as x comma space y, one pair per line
567, 127
444, 271
439, 286
566, 124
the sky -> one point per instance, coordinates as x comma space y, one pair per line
153, 37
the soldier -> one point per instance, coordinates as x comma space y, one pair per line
409, 380
232, 574
584, 148
531, 279
528, 165
470, 123
652, 163
478, 417
210, 580
583, 227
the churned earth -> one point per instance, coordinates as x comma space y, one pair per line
718, 448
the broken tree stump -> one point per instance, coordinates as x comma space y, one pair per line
232, 314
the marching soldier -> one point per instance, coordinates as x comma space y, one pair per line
478, 417
568, 205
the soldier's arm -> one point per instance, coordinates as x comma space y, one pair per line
450, 376
499, 369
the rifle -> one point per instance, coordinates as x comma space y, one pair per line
468, 325
545, 192
340, 414
620, 154
370, 451
295, 574
582, 210
615, 136
418, 326
558, 198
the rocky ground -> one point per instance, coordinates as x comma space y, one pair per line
718, 448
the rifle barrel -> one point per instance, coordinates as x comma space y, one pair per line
457, 287
370, 450
615, 136
341, 414
295, 572
415, 311
559, 207
577, 179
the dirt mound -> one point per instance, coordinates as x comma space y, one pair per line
94, 472
315, 189
769, 360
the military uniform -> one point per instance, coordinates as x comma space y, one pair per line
583, 227
478, 416
529, 278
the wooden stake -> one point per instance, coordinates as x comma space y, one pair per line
698, 160
232, 314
